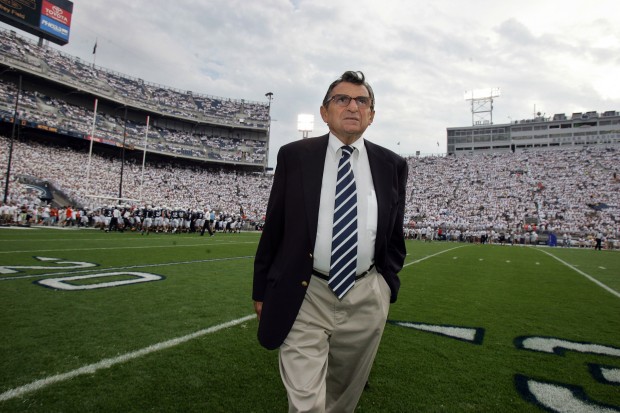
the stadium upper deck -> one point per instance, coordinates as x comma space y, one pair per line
58, 96
541, 133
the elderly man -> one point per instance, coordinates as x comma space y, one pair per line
327, 264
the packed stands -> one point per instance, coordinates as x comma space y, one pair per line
53, 112
67, 68
573, 191
210, 128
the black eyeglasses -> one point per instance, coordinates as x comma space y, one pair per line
344, 100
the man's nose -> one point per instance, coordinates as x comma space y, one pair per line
355, 106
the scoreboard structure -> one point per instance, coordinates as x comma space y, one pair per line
47, 19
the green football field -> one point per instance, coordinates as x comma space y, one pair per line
122, 322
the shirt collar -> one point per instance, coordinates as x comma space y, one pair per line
335, 144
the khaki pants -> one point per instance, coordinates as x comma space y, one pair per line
327, 356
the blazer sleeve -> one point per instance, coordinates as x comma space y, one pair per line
396, 250
272, 231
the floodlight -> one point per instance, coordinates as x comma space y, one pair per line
305, 124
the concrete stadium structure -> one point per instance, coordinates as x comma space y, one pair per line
541, 133
57, 94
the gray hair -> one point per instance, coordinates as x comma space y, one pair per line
357, 78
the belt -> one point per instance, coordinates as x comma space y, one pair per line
357, 277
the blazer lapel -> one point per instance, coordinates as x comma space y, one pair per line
313, 164
382, 172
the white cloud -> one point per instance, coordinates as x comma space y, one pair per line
419, 56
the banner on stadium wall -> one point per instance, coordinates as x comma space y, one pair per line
47, 128
44, 127
43, 193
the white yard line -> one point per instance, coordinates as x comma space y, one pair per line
430, 256
214, 244
109, 362
589, 277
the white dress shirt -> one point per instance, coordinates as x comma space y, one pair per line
366, 206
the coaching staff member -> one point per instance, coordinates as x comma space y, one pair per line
323, 301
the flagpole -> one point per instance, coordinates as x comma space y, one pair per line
146, 137
95, 52
90, 151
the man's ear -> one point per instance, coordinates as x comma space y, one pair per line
323, 110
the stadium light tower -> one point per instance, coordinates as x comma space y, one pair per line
482, 105
269, 96
305, 124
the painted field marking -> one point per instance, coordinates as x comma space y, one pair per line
589, 277
132, 278
558, 346
469, 334
432, 255
109, 362
129, 267
214, 244
12, 269
560, 398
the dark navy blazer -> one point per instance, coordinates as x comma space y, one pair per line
283, 262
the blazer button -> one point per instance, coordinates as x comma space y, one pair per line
310, 255
304, 284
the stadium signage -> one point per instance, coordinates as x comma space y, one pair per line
48, 19
18, 12
53, 11
47, 128
12, 12
54, 28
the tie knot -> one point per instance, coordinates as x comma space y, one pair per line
348, 150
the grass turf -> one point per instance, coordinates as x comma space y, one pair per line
505, 293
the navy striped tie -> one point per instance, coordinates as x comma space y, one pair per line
344, 238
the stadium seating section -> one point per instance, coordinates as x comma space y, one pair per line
572, 191
242, 145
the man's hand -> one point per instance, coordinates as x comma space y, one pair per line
258, 308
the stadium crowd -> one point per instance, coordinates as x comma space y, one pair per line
508, 197
220, 144
165, 185
103, 82
568, 191
56, 113
512, 197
